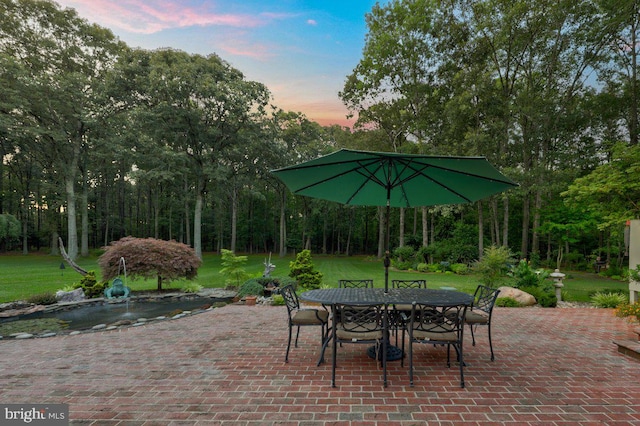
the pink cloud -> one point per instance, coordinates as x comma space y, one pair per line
139, 16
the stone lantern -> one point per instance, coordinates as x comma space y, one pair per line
557, 277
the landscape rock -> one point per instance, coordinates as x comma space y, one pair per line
70, 296
524, 298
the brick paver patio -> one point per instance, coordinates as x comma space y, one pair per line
226, 367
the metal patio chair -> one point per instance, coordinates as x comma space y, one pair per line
481, 312
355, 283
360, 324
436, 325
303, 317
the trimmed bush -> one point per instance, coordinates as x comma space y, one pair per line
251, 287
507, 302
302, 270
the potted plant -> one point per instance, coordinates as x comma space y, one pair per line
250, 290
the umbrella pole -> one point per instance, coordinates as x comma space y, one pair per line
387, 260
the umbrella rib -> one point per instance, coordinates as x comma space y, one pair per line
357, 168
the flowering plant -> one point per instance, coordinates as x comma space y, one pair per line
630, 311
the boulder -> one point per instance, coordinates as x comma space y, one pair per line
70, 296
522, 297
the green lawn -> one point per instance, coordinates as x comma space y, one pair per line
23, 276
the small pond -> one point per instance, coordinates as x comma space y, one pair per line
86, 316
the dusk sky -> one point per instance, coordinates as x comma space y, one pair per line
301, 50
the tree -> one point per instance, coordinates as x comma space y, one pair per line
302, 270
195, 106
56, 59
9, 230
233, 267
611, 192
150, 258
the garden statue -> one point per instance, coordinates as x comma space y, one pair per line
117, 289
268, 267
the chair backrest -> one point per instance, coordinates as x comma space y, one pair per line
408, 284
358, 320
485, 298
436, 321
355, 283
290, 298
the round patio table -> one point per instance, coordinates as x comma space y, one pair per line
377, 296
394, 296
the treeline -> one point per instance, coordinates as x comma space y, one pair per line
101, 141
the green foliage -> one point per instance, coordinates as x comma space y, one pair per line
404, 254
233, 267
9, 228
422, 267
459, 268
302, 270
277, 281
90, 285
611, 191
251, 287
630, 311
402, 266
608, 300
634, 274
507, 302
48, 298
494, 266
277, 300
191, 287
525, 276
544, 296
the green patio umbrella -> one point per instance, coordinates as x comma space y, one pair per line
391, 179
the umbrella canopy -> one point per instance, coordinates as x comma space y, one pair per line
368, 178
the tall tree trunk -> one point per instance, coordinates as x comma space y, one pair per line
325, 224
480, 231
25, 234
524, 248
54, 249
634, 131
505, 222
156, 216
234, 218
84, 215
381, 232
535, 240
283, 224
197, 218
401, 232
72, 227
187, 215
495, 222
425, 227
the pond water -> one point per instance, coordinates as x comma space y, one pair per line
86, 316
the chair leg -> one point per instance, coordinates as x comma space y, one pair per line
410, 360
461, 366
402, 349
473, 338
297, 334
490, 344
333, 366
286, 357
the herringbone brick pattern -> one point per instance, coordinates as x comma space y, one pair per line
226, 367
